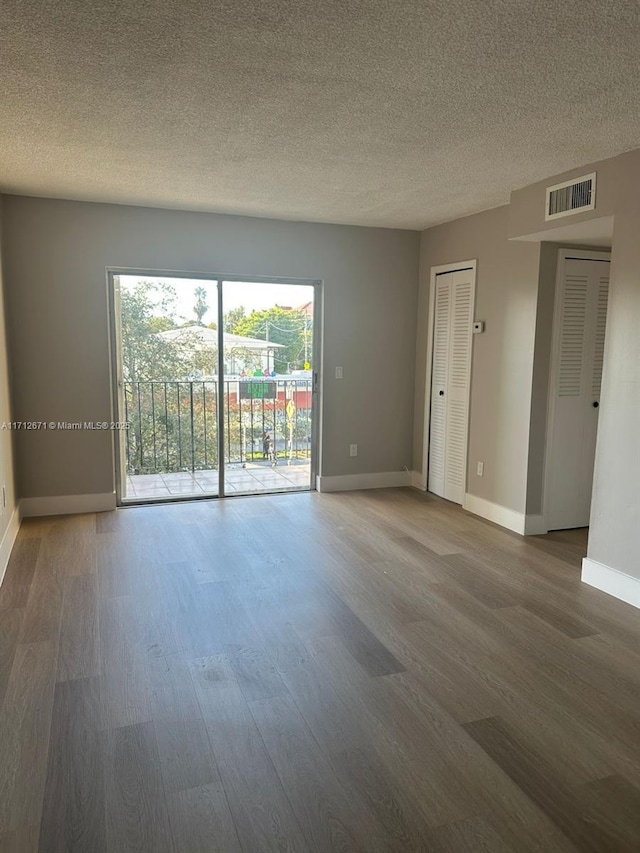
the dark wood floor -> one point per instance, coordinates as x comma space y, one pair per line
375, 671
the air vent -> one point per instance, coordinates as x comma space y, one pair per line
571, 197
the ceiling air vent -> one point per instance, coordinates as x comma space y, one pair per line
571, 197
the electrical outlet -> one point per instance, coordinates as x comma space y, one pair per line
339, 373
353, 450
480, 469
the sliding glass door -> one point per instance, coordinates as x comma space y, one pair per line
215, 379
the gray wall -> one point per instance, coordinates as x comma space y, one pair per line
6, 436
614, 536
540, 380
56, 255
527, 205
506, 295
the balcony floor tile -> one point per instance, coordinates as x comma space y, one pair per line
255, 478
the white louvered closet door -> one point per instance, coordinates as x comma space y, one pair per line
579, 350
450, 376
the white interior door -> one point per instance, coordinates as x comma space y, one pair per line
450, 378
576, 376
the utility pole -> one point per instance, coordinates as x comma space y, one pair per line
267, 340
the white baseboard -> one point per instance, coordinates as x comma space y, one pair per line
615, 583
67, 504
352, 482
534, 525
525, 525
497, 513
417, 480
7, 541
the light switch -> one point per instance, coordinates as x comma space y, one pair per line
339, 374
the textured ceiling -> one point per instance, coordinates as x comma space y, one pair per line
393, 112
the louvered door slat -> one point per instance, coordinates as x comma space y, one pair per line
453, 317
458, 386
438, 425
460, 338
441, 334
600, 327
572, 338
456, 446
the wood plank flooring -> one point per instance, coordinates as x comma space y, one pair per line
373, 671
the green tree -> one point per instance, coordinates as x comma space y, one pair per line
202, 306
233, 317
161, 324
167, 422
145, 310
286, 326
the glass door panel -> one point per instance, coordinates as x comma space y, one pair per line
268, 386
167, 387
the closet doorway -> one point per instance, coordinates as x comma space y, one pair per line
579, 328
451, 311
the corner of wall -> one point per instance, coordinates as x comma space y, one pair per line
9, 512
613, 582
540, 377
8, 539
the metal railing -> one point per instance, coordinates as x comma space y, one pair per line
173, 426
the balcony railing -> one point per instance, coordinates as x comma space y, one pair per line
173, 426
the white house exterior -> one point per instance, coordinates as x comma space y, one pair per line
242, 354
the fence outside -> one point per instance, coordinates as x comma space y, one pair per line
173, 426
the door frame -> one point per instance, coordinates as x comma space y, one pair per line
434, 272
563, 255
115, 361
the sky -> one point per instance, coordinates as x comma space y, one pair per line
252, 295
